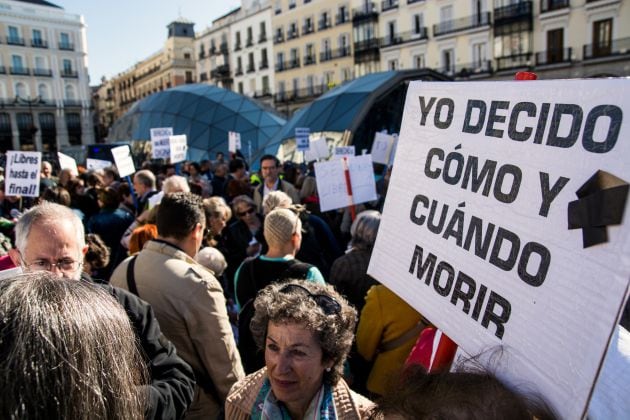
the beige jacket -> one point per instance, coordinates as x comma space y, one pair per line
348, 404
189, 305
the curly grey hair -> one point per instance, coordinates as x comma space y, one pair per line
333, 332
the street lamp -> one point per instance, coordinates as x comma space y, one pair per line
32, 130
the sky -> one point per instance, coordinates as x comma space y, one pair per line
122, 32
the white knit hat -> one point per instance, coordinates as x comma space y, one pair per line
280, 225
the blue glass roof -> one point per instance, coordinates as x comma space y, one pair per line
206, 114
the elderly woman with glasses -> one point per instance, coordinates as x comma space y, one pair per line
306, 330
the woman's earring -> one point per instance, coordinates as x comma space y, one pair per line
327, 369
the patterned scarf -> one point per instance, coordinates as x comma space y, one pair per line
267, 407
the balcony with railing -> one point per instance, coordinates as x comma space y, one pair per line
616, 48
341, 18
213, 50
342, 52
39, 43
462, 24
288, 65
262, 38
3, 70
413, 1
66, 46
309, 60
292, 34
325, 55
221, 72
251, 68
552, 5
514, 61
250, 42
15, 40
262, 93
42, 72
404, 37
389, 5
264, 64
480, 68
366, 50
308, 28
366, 12
513, 13
238, 71
278, 38
20, 71
554, 56
324, 23
223, 48
69, 73
237, 46
71, 103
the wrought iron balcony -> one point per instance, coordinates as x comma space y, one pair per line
262, 38
308, 28
324, 23
292, 34
237, 46
220, 72
14, 40
473, 69
413, 1
551, 5
42, 72
279, 38
223, 48
66, 46
366, 12
251, 68
263, 65
607, 49
517, 12
3, 70
250, 42
39, 43
309, 60
69, 73
238, 71
71, 103
509, 62
553, 56
342, 52
462, 24
20, 71
341, 18
325, 55
389, 5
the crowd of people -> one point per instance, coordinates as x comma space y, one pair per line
208, 291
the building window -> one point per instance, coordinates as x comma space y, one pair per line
14, 36
263, 59
479, 54
67, 66
42, 92
20, 90
26, 130
189, 77
73, 124
186, 56
240, 87
265, 85
418, 23
602, 37
6, 132
48, 131
38, 41
419, 61
64, 41
392, 64
70, 93
263, 32
448, 61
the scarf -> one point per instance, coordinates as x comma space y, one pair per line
267, 406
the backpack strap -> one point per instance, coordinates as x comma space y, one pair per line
131, 278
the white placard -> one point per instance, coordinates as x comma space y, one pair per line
234, 141
21, 175
123, 160
96, 164
68, 162
382, 148
179, 147
475, 231
331, 182
318, 149
302, 135
343, 151
160, 146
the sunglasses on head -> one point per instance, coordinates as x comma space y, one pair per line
328, 304
246, 212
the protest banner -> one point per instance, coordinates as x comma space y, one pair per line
506, 224
302, 137
21, 175
331, 182
68, 162
178, 148
382, 148
343, 151
96, 164
123, 160
234, 141
318, 149
160, 145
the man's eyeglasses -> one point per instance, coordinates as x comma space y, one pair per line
67, 265
328, 304
246, 212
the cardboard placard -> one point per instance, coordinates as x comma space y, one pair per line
178, 148
21, 175
343, 151
68, 162
382, 148
123, 160
506, 224
160, 145
331, 182
96, 164
234, 141
302, 137
318, 149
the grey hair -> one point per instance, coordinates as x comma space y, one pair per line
213, 259
67, 351
364, 229
242, 199
175, 183
146, 178
47, 212
334, 332
274, 200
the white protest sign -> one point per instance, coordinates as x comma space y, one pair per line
178, 148
96, 164
21, 175
123, 160
506, 224
382, 148
234, 141
160, 147
343, 151
302, 135
318, 149
67, 162
331, 182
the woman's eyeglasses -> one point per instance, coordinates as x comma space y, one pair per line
328, 304
246, 212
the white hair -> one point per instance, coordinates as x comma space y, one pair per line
175, 183
213, 259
